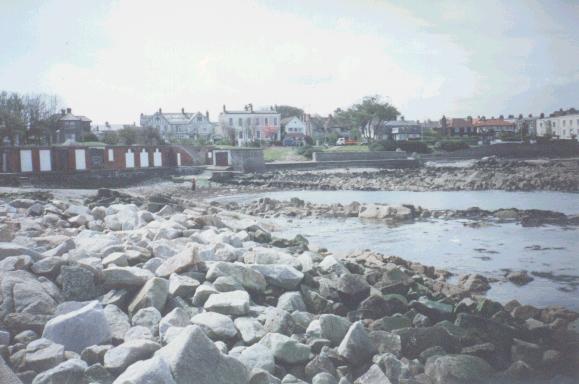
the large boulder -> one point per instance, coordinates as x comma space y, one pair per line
70, 371
416, 340
13, 249
285, 349
352, 288
43, 354
79, 329
250, 329
125, 277
188, 259
155, 370
118, 322
235, 303
78, 283
458, 369
122, 217
356, 347
194, 359
251, 280
258, 356
334, 328
260, 255
374, 375
216, 325
385, 212
282, 276
117, 359
153, 294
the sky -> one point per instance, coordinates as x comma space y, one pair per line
112, 60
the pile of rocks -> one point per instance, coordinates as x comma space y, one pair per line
397, 214
496, 175
121, 295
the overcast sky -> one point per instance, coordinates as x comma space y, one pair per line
112, 60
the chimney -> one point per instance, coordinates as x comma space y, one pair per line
160, 110
401, 118
224, 110
68, 110
63, 112
183, 110
207, 115
251, 107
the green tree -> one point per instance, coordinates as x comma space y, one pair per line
289, 111
110, 138
368, 115
128, 135
12, 117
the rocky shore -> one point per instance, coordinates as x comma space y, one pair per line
123, 289
486, 174
398, 214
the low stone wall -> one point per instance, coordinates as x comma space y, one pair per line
353, 156
308, 165
247, 160
96, 178
512, 151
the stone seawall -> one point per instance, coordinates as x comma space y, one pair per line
95, 178
311, 165
511, 151
358, 156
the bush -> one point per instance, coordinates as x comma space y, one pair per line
383, 145
309, 141
89, 137
307, 151
413, 146
451, 146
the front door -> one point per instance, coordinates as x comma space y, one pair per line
221, 159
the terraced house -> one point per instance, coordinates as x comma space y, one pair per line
180, 126
560, 124
249, 125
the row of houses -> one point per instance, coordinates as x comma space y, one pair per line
249, 125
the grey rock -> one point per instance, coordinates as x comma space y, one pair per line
194, 358
324, 378
234, 303
118, 259
139, 332
279, 321
70, 371
258, 356
282, 276
95, 354
374, 375
251, 280
13, 249
259, 376
459, 369
352, 288
125, 277
79, 329
286, 349
182, 286
149, 318
227, 284
78, 283
291, 301
250, 329
216, 325
43, 354
154, 371
356, 347
187, 259
202, 293
153, 294
390, 365
120, 357
416, 340
386, 342
391, 323
118, 322
97, 374
178, 317
291, 379
48, 266
334, 328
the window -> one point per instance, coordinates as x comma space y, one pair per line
564, 121
257, 121
275, 121
231, 121
199, 118
240, 122
258, 134
240, 134
111, 154
266, 121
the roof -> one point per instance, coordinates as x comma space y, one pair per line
400, 123
254, 112
458, 122
175, 118
286, 120
492, 123
71, 117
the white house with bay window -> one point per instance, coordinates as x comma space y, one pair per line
250, 125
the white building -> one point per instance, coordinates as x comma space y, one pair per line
180, 126
294, 130
251, 125
560, 124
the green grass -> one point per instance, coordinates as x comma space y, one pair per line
349, 148
281, 154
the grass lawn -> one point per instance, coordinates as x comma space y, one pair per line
348, 148
281, 154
